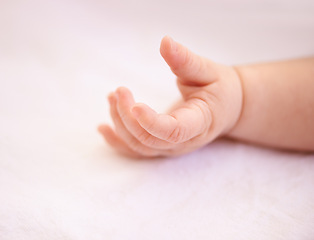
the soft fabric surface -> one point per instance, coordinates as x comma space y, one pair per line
59, 180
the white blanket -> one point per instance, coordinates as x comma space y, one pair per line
59, 180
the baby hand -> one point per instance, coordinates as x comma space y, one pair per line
210, 107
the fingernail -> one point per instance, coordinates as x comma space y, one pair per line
101, 128
111, 98
135, 111
173, 44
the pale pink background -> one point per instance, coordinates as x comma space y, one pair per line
59, 180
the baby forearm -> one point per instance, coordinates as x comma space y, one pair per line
278, 104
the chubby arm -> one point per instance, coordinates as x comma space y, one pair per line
278, 104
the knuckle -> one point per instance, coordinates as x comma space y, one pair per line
177, 135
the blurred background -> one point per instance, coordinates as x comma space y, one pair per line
64, 57
59, 59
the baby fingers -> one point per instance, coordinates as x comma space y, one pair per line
126, 137
186, 122
125, 102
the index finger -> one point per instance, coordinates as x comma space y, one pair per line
186, 122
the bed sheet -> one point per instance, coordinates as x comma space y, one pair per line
59, 180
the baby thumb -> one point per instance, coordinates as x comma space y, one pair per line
191, 69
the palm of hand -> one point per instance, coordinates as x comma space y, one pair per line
210, 106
